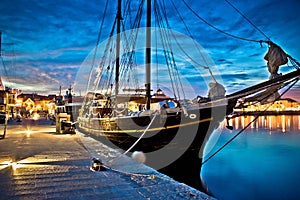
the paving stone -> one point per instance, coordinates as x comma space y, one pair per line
45, 165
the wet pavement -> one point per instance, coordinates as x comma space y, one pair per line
37, 163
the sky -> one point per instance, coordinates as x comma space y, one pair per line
45, 42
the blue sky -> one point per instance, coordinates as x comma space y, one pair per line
46, 41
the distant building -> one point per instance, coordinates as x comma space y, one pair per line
282, 105
35, 103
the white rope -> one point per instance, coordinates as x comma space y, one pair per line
141, 135
150, 176
113, 159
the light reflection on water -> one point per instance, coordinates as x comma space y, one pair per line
281, 123
261, 163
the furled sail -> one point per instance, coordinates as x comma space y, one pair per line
268, 91
275, 57
216, 90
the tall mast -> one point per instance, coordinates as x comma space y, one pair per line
119, 18
0, 43
148, 55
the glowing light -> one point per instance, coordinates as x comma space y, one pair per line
299, 122
252, 118
243, 121
19, 102
5, 164
35, 116
15, 166
8, 163
28, 132
236, 123
283, 123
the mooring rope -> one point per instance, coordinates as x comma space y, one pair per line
155, 114
150, 175
135, 143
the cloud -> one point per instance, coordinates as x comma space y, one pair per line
50, 39
45, 42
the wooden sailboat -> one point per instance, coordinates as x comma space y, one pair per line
171, 131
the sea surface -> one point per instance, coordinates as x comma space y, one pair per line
263, 162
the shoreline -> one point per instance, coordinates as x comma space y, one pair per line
264, 113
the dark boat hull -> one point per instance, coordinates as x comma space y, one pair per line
173, 143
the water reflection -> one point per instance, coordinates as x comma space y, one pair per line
261, 165
283, 123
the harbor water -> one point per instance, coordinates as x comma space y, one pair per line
263, 162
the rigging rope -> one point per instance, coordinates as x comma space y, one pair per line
255, 118
97, 43
217, 29
247, 19
294, 62
130, 49
190, 34
165, 43
163, 22
87, 100
5, 68
197, 46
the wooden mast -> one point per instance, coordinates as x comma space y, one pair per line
0, 43
119, 18
148, 55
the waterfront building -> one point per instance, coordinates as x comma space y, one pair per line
29, 103
285, 105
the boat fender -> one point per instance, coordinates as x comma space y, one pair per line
193, 116
139, 156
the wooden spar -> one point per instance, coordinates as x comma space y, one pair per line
148, 55
264, 85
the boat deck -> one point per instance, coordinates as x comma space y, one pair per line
37, 163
